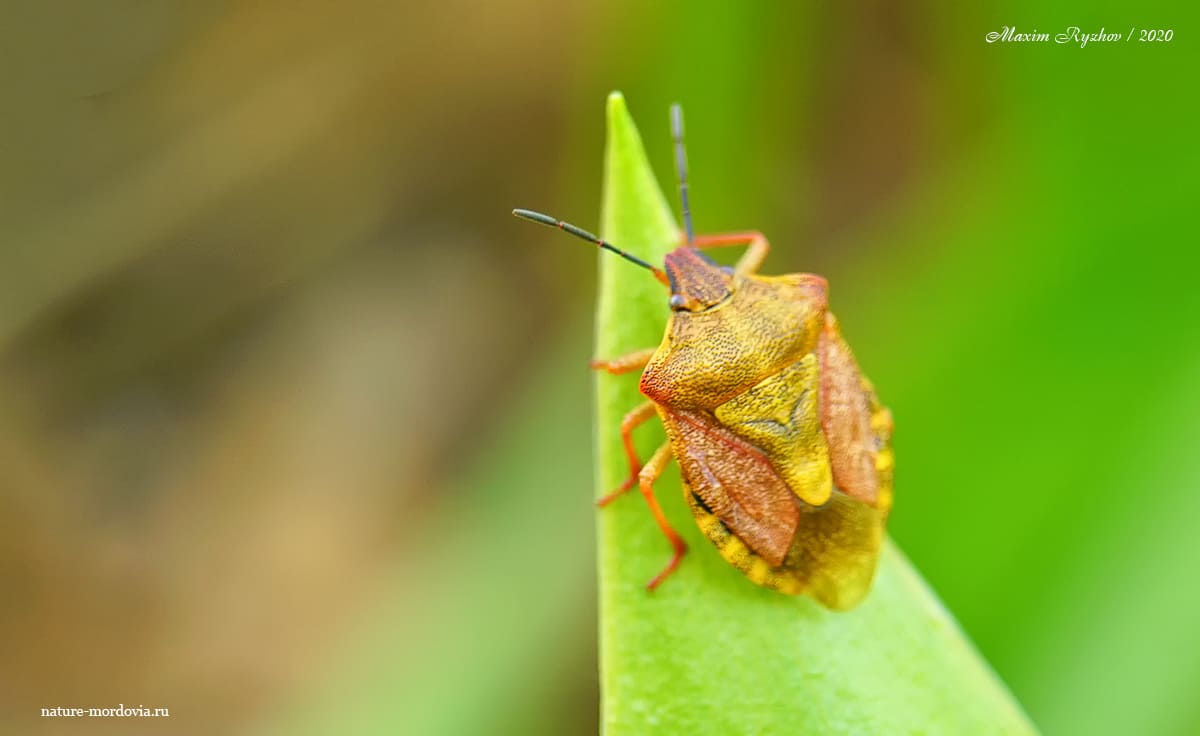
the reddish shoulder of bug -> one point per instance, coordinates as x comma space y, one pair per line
727, 331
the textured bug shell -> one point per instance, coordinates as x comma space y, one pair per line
783, 446
710, 356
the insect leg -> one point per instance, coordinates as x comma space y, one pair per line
755, 254
625, 363
654, 468
633, 419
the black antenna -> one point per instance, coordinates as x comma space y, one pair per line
585, 235
681, 168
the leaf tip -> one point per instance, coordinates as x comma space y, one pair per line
630, 188
616, 104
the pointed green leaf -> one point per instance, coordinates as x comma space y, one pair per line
710, 652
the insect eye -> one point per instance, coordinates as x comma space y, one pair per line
678, 302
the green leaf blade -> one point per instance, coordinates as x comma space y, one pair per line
709, 652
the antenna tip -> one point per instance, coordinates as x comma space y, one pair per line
535, 216
677, 118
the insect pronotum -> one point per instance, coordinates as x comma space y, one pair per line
784, 448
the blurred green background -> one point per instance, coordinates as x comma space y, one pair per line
294, 417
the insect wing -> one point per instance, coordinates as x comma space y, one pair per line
736, 483
858, 428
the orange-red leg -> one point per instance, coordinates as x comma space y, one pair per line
755, 254
654, 468
625, 363
632, 420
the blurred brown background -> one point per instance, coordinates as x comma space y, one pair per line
252, 316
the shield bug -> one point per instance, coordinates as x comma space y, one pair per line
783, 446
